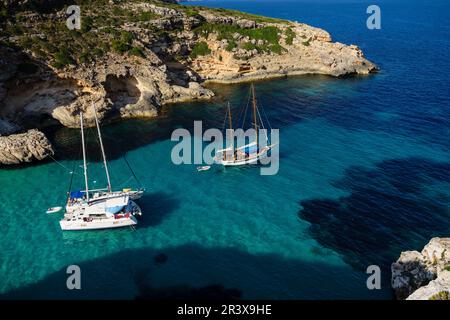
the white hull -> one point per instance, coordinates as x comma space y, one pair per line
231, 163
252, 159
86, 217
107, 223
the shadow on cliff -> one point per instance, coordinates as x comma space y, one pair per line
194, 272
397, 206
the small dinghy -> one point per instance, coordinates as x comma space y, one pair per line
54, 209
203, 168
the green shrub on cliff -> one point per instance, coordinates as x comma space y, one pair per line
62, 58
264, 48
120, 46
443, 295
290, 36
250, 46
269, 34
137, 51
123, 44
147, 16
87, 24
276, 48
200, 49
231, 45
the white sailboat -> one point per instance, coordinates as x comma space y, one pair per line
249, 153
100, 208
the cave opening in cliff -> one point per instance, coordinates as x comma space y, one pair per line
122, 90
32, 103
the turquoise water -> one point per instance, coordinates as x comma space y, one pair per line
364, 174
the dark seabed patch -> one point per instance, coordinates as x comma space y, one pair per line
157, 206
387, 212
160, 259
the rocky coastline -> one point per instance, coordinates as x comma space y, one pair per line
423, 275
24, 147
152, 53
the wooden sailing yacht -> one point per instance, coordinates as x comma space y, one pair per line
100, 208
249, 153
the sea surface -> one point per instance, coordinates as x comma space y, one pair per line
364, 174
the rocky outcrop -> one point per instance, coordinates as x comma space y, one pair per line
438, 289
311, 52
423, 275
118, 86
24, 147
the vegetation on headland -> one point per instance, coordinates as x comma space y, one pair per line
102, 30
290, 36
265, 39
200, 49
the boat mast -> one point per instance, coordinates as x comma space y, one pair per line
254, 113
84, 157
231, 126
103, 150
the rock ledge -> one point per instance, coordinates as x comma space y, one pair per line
423, 275
24, 147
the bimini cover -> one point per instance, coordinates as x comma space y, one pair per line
108, 206
77, 194
114, 205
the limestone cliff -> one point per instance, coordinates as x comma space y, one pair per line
24, 147
423, 275
131, 57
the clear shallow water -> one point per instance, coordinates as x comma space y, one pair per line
364, 174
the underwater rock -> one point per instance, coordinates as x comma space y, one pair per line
160, 258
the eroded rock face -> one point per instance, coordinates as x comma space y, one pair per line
420, 275
438, 289
24, 147
311, 52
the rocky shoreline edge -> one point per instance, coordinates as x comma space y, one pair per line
423, 275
